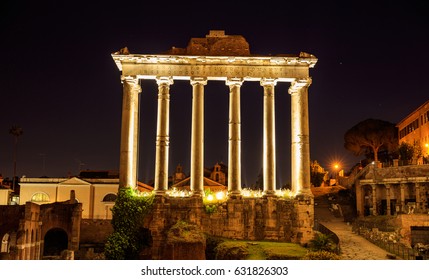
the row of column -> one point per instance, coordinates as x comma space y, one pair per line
299, 130
419, 191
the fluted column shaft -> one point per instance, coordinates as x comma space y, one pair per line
197, 136
300, 137
269, 137
234, 138
162, 135
129, 133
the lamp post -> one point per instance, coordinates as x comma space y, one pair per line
336, 172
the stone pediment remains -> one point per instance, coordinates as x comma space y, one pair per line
216, 43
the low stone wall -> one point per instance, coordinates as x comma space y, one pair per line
93, 237
268, 218
405, 222
95, 231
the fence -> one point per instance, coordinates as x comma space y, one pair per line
397, 249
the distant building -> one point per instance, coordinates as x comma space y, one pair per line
414, 129
215, 178
96, 190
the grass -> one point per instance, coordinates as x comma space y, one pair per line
258, 250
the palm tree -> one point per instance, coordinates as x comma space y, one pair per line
16, 131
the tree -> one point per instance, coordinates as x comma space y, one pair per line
16, 131
371, 136
317, 178
406, 152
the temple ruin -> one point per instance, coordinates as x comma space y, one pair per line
221, 57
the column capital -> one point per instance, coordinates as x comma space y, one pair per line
199, 80
298, 84
234, 81
132, 82
164, 80
268, 82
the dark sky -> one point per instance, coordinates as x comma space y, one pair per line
60, 84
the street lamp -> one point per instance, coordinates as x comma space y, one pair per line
336, 168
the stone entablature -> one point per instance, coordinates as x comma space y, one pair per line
281, 68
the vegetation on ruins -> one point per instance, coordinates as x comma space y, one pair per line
185, 232
211, 201
228, 249
316, 178
322, 242
322, 247
371, 137
128, 237
408, 151
321, 255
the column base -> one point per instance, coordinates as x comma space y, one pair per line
160, 193
235, 195
304, 195
197, 194
269, 194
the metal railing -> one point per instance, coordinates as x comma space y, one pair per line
397, 249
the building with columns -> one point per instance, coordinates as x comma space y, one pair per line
227, 58
216, 57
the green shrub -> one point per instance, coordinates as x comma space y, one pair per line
322, 242
129, 236
231, 251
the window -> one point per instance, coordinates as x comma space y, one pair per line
109, 197
40, 197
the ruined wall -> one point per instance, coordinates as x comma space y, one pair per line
405, 222
93, 237
268, 218
95, 231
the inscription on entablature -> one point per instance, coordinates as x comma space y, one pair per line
215, 71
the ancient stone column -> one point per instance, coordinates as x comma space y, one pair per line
388, 200
269, 138
402, 186
129, 132
374, 199
300, 138
234, 138
162, 135
418, 200
197, 136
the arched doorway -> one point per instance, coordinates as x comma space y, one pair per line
5, 243
55, 242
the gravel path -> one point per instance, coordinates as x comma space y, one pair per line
353, 246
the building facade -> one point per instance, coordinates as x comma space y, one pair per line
96, 195
414, 130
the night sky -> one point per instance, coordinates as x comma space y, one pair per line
59, 82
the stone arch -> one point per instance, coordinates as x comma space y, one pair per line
55, 241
